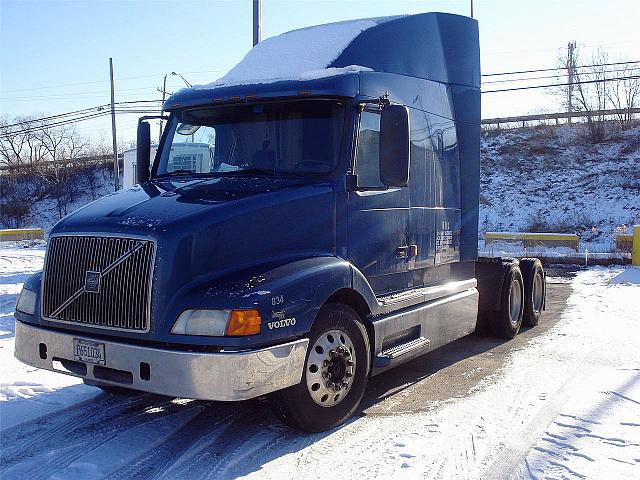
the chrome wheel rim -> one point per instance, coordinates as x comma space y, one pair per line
330, 368
538, 293
515, 301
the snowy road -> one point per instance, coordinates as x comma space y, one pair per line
561, 401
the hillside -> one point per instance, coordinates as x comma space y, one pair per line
551, 179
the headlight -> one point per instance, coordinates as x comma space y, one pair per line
212, 323
217, 323
26, 301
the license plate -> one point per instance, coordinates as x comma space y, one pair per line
88, 351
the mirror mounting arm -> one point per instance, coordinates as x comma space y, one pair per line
382, 101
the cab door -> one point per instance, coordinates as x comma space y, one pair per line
378, 240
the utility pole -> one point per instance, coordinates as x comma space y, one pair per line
471, 8
116, 167
570, 72
164, 92
257, 21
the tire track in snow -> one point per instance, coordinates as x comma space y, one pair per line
151, 463
43, 430
213, 457
72, 439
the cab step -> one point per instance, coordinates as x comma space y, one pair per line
400, 353
404, 348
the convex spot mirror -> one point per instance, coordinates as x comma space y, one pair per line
186, 129
394, 146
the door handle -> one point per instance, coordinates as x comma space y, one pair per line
407, 251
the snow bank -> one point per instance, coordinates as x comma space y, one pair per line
297, 55
630, 275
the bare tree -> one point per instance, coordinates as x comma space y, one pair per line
19, 144
62, 145
624, 94
591, 95
16, 211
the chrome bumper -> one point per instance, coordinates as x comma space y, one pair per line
225, 376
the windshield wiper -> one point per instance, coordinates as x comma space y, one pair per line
249, 171
176, 173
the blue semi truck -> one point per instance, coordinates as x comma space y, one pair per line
309, 220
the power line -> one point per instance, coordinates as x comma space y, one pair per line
104, 81
600, 80
130, 107
84, 110
558, 68
91, 116
551, 76
81, 94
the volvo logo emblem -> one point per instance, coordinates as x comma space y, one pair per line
92, 282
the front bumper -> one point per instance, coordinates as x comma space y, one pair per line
224, 376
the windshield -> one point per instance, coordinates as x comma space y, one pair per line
272, 138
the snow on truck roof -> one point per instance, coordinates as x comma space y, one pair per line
297, 55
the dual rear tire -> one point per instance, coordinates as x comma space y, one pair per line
535, 290
521, 299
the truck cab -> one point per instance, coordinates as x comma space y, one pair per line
296, 232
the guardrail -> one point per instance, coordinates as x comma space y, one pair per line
624, 243
15, 234
523, 119
635, 253
531, 239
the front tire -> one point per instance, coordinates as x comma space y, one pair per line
335, 375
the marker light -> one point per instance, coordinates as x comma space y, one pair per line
243, 322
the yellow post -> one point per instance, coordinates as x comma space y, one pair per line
635, 251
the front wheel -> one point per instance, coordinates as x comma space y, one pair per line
335, 373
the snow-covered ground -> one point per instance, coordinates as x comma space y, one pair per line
21, 386
565, 405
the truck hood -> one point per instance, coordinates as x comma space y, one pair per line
153, 208
213, 229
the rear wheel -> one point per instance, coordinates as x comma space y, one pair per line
507, 321
534, 290
335, 374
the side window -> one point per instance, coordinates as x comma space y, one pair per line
367, 155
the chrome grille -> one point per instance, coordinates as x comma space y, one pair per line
98, 281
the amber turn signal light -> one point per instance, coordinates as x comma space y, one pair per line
243, 322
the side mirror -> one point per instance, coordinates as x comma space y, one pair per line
394, 146
143, 152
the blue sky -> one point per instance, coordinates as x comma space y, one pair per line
54, 55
